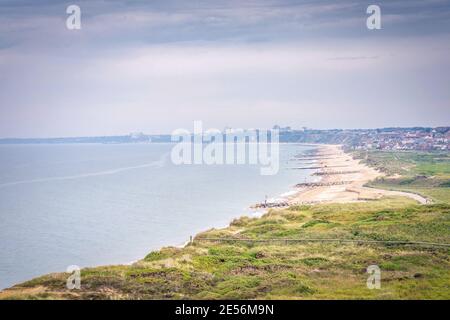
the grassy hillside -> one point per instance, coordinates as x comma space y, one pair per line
279, 270
424, 173
258, 259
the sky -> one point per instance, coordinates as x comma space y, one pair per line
155, 66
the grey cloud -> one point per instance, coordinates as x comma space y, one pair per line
155, 65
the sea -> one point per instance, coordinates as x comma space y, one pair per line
101, 204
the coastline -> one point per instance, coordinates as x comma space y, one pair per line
343, 180
340, 179
246, 210
255, 210
331, 186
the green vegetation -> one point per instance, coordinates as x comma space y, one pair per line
275, 270
425, 173
260, 267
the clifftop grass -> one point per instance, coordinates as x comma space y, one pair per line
297, 270
252, 270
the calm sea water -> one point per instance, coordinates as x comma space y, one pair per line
94, 204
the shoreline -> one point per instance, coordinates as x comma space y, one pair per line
257, 211
343, 180
331, 186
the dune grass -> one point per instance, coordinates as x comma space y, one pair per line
246, 270
297, 270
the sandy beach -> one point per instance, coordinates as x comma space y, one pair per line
342, 180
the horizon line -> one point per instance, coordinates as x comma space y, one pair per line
168, 134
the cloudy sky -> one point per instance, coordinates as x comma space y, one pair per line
155, 66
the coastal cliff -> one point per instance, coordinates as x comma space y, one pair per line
317, 247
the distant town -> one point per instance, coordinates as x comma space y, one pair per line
416, 138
